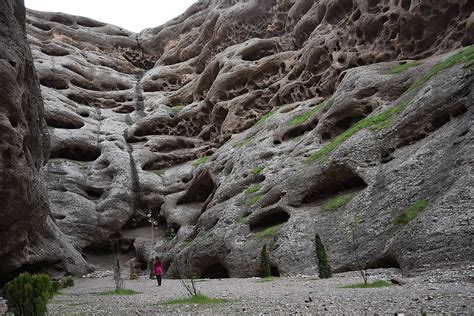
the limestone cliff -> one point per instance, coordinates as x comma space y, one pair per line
29, 238
243, 123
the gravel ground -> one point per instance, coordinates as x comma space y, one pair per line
434, 292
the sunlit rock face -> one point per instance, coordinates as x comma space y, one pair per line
244, 123
29, 237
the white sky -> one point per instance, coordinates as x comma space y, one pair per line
133, 15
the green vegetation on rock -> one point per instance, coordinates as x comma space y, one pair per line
324, 268
257, 170
465, 56
265, 270
375, 284
405, 66
243, 143
383, 120
266, 116
270, 231
411, 212
197, 299
120, 292
200, 161
308, 114
255, 199
337, 201
253, 188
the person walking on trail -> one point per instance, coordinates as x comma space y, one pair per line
158, 268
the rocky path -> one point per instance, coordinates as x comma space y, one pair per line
432, 293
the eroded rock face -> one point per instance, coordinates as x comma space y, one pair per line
28, 236
240, 85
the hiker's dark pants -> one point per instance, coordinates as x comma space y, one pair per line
158, 278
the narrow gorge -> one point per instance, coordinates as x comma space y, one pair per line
236, 125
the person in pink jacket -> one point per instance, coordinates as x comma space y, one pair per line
158, 268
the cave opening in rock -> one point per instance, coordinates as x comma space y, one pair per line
199, 190
51, 267
60, 122
336, 180
274, 271
55, 83
385, 262
215, 270
76, 153
268, 219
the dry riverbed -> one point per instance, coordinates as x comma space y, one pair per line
434, 292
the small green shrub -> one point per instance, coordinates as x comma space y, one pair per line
308, 114
270, 231
324, 268
66, 282
337, 201
411, 212
253, 188
257, 170
119, 292
265, 270
375, 284
28, 294
197, 299
55, 286
266, 116
200, 161
401, 68
170, 233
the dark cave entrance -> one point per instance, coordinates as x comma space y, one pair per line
215, 271
274, 217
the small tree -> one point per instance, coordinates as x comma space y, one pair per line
153, 222
118, 270
325, 270
264, 263
188, 284
352, 229
28, 294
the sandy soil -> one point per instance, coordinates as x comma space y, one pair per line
434, 292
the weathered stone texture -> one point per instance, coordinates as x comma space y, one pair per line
239, 84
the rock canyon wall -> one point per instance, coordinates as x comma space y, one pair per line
244, 123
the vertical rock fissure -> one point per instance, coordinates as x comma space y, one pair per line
135, 180
139, 102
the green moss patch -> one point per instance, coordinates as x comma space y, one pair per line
337, 201
270, 231
266, 116
120, 292
243, 143
410, 213
375, 284
253, 188
308, 114
465, 56
401, 68
197, 299
255, 199
257, 170
200, 161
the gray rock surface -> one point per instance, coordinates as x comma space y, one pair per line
29, 238
215, 123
